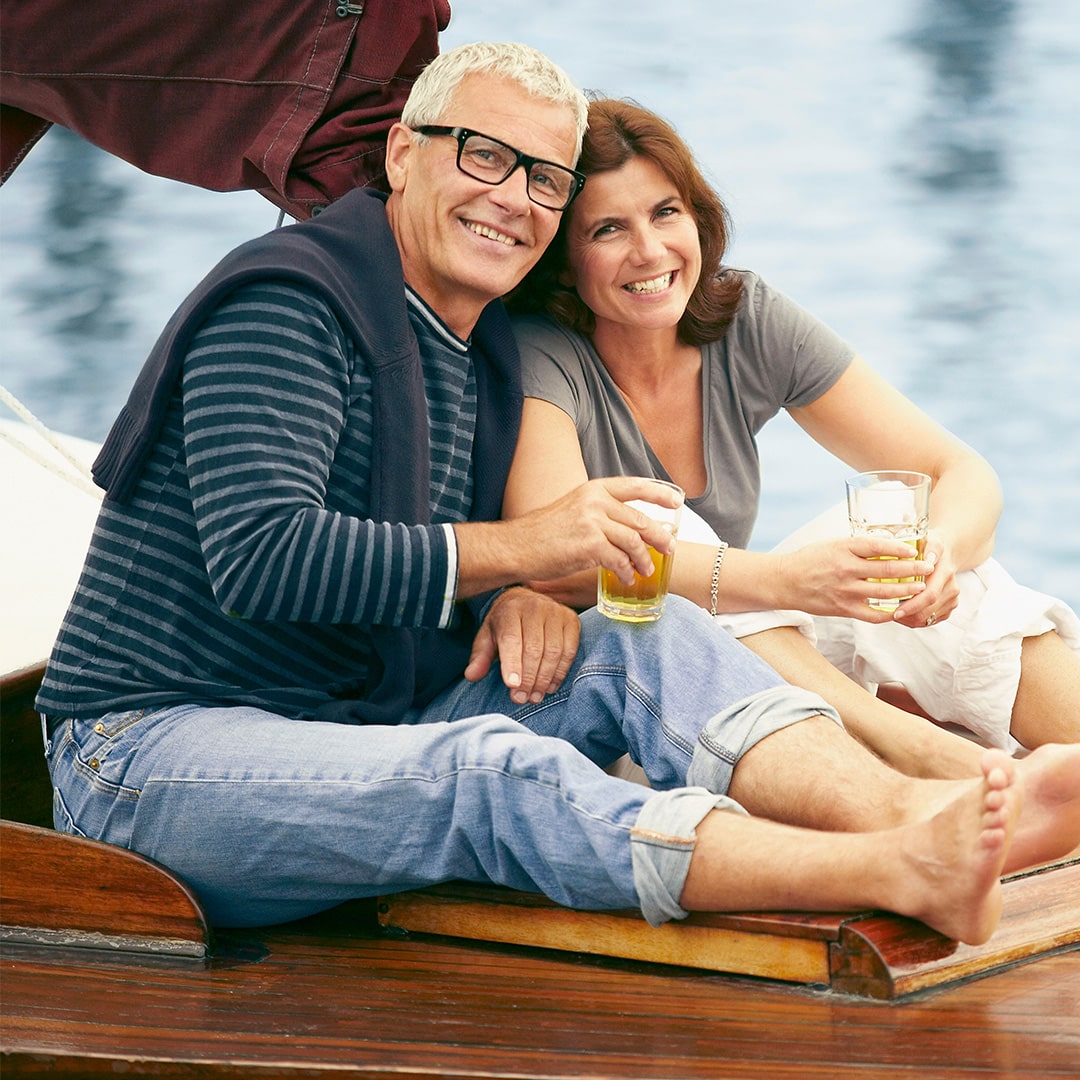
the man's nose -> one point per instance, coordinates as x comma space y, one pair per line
514, 190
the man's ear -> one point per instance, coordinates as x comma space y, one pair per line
399, 143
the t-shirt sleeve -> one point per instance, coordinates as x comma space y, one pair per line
796, 357
553, 367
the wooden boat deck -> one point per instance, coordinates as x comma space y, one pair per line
107, 966
330, 994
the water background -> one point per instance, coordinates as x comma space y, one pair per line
908, 171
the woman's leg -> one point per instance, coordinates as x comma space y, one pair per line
909, 743
1047, 706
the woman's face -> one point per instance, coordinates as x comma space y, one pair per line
633, 249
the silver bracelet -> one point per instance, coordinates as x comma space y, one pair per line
716, 576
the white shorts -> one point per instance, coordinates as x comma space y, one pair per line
962, 671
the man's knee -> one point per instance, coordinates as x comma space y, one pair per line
731, 733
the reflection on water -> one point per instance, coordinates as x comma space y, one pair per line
83, 276
84, 272
906, 171
965, 43
958, 151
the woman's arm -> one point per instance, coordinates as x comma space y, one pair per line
869, 424
547, 464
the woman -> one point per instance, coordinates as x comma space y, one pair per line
652, 358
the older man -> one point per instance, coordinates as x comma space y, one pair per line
259, 682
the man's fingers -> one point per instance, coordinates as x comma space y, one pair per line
513, 664
482, 655
626, 488
554, 658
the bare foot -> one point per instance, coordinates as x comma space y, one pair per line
1049, 826
953, 860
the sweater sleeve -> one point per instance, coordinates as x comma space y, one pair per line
277, 437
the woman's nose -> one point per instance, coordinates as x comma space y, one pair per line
647, 246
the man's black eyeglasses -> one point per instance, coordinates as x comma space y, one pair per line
486, 159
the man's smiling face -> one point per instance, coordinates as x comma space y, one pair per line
463, 242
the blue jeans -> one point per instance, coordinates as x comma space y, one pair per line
271, 819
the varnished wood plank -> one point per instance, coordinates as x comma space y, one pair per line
72, 892
821, 926
798, 952
326, 994
887, 956
873, 954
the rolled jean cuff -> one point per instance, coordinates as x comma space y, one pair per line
731, 733
661, 844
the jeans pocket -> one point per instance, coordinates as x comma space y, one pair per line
103, 748
92, 794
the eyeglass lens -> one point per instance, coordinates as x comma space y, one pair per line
492, 161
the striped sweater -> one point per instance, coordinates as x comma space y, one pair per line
245, 569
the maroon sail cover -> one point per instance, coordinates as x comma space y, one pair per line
292, 99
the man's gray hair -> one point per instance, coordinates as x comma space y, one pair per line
537, 75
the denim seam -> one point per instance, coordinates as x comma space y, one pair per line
127, 720
68, 817
716, 749
648, 702
346, 782
633, 689
106, 787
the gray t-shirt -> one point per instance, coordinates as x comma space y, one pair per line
774, 355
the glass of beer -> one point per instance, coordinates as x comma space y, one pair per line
895, 504
642, 601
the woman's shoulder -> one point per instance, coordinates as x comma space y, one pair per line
756, 291
542, 338
540, 328
766, 309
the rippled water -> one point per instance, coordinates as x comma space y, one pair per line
908, 171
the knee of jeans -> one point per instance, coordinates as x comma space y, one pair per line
491, 742
728, 735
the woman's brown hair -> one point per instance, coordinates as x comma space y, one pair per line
618, 131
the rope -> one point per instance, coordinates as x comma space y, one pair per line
81, 478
